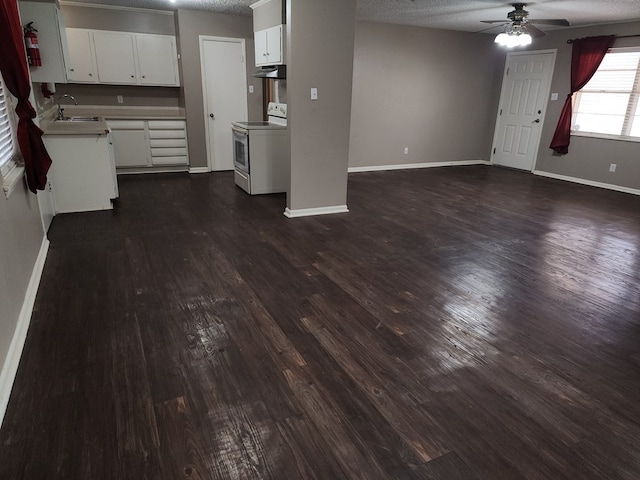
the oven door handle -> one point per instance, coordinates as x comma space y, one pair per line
239, 130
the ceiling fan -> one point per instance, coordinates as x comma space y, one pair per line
519, 21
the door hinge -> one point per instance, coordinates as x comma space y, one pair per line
508, 71
500, 111
494, 150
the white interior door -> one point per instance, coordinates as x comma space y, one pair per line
224, 82
523, 102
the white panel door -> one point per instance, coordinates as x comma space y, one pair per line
523, 101
157, 60
81, 67
225, 100
115, 57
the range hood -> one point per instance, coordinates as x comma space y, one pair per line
272, 71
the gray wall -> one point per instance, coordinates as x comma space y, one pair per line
588, 158
434, 91
191, 24
20, 239
320, 36
162, 23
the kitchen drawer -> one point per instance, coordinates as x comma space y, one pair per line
126, 124
168, 142
168, 133
166, 124
177, 160
168, 152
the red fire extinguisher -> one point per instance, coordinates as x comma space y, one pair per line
31, 42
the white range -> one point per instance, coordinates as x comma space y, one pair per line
261, 153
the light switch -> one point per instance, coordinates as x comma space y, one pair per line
250, 88
314, 93
554, 97
120, 99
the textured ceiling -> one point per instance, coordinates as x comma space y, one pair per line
464, 15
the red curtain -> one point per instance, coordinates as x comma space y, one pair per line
586, 57
15, 73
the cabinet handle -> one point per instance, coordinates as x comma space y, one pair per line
212, 115
144, 76
133, 76
91, 74
71, 70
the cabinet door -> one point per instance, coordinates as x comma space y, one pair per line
115, 57
274, 45
157, 60
81, 67
130, 143
260, 41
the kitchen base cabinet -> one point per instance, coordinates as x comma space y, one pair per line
149, 144
82, 174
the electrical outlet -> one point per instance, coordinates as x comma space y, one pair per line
406, 150
612, 167
120, 99
554, 97
314, 93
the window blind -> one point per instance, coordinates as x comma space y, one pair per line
6, 137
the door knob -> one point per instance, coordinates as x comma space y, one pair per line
212, 115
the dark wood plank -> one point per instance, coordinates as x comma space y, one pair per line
464, 322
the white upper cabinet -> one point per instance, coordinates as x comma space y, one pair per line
269, 46
81, 66
48, 20
122, 58
115, 57
157, 60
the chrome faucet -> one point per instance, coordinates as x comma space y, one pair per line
60, 109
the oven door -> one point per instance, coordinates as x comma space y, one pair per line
241, 149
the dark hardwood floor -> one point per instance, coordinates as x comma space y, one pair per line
460, 323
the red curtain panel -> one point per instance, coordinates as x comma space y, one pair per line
586, 57
15, 73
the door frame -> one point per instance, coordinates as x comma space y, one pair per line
205, 103
536, 148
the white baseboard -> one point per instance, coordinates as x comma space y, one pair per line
591, 183
308, 212
198, 169
376, 168
11, 362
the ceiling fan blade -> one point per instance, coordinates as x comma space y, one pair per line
535, 32
494, 21
551, 21
491, 28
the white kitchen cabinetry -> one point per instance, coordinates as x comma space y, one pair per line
130, 143
81, 67
48, 20
269, 46
157, 60
82, 173
149, 143
115, 57
123, 58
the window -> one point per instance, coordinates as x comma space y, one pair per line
7, 138
607, 106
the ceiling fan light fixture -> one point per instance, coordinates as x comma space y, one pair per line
513, 39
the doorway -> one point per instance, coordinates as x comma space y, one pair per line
523, 101
224, 86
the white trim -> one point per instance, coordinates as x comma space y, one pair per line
199, 170
544, 108
115, 7
308, 212
203, 76
591, 183
12, 179
11, 362
259, 3
403, 166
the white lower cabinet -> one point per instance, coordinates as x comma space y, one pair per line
82, 174
149, 143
